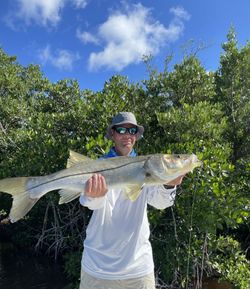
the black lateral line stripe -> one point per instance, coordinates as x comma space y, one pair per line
85, 173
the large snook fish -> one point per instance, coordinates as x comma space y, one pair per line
127, 173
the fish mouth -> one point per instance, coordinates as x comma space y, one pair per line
181, 161
199, 164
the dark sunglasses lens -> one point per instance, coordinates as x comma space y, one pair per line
123, 130
120, 130
133, 130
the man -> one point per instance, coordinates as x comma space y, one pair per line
117, 252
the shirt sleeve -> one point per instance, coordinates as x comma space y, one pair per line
160, 197
92, 203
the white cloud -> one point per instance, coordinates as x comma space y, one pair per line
131, 34
180, 12
80, 3
42, 12
86, 37
61, 59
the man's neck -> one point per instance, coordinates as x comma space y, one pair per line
124, 152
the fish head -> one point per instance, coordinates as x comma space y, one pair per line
167, 167
180, 162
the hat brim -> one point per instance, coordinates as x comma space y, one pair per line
139, 134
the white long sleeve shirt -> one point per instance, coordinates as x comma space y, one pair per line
117, 242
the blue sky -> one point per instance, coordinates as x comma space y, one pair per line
91, 40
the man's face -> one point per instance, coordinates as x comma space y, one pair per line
124, 141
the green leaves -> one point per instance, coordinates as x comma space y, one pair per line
185, 110
202, 122
233, 92
228, 260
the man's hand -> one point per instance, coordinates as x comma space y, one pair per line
176, 181
96, 186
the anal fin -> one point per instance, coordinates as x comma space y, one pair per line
67, 196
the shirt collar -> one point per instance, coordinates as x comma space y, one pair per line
112, 153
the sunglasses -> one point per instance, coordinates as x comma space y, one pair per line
123, 130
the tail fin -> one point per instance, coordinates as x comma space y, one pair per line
22, 203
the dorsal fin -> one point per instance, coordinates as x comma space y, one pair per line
75, 158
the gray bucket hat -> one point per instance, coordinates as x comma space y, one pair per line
122, 118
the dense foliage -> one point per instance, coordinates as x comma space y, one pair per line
186, 110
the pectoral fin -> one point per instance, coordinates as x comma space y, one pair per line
133, 191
